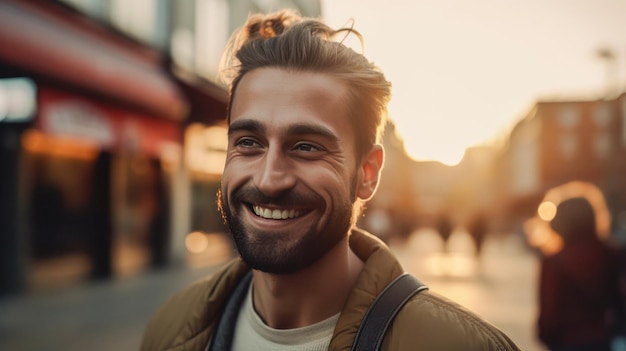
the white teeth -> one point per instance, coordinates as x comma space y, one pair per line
275, 214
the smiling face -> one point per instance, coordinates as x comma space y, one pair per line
291, 176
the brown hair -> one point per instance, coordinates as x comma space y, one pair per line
286, 40
575, 220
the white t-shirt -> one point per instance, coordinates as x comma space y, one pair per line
252, 334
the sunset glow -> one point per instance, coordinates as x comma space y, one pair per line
463, 72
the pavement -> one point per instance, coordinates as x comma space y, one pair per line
95, 316
499, 286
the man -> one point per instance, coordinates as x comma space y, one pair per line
305, 119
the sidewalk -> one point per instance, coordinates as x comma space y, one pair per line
500, 285
108, 315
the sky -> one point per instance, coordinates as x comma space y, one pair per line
465, 71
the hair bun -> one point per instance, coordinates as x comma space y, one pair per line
262, 26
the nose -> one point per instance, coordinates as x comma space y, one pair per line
275, 174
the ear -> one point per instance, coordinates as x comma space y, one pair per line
369, 172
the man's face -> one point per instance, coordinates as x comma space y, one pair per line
291, 174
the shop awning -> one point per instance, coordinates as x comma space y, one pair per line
66, 47
202, 109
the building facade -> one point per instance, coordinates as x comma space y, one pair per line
563, 141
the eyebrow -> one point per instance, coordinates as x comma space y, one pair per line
247, 125
312, 129
253, 126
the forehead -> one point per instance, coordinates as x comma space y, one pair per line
277, 97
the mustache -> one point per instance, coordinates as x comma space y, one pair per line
289, 198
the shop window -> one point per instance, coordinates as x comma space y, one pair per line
58, 184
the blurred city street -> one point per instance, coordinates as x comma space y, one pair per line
112, 315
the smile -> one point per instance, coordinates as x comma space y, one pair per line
267, 213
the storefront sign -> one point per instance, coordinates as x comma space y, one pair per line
111, 127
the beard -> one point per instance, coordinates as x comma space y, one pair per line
285, 252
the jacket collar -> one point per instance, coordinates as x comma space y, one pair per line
381, 268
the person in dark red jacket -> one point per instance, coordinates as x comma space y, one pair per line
578, 287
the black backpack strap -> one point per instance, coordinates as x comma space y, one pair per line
225, 330
382, 311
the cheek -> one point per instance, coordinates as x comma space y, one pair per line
332, 183
234, 171
230, 181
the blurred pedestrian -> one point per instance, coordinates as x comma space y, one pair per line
444, 228
303, 156
578, 288
477, 229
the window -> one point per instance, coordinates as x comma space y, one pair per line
138, 18
569, 117
568, 144
602, 115
602, 145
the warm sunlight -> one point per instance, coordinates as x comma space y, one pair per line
422, 146
463, 72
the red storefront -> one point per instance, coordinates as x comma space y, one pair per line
86, 177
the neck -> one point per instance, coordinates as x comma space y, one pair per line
309, 295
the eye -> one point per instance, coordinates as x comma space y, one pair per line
304, 147
247, 143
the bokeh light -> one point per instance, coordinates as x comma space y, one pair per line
196, 242
546, 210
